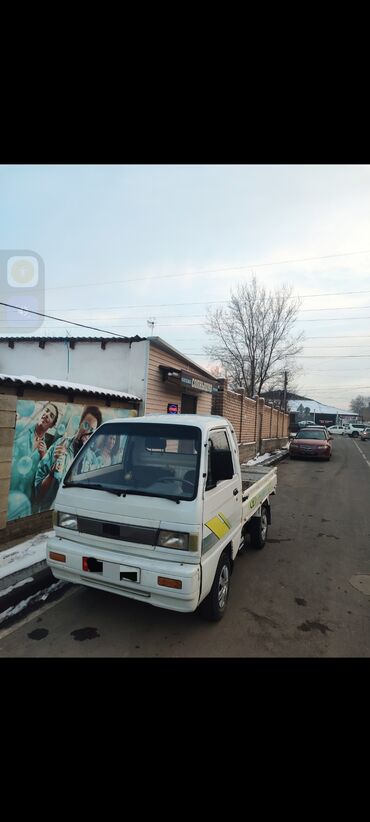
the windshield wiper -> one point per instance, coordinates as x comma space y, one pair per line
159, 496
96, 486
119, 492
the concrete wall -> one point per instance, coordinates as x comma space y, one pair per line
116, 366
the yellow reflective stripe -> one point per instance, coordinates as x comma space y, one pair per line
226, 521
218, 526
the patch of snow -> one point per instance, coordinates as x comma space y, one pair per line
258, 459
24, 554
17, 585
16, 609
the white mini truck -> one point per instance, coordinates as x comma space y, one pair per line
156, 508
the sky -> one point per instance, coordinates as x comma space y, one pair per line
124, 246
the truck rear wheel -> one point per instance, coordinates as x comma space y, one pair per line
214, 605
258, 529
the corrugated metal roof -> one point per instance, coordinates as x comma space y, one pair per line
316, 407
48, 338
60, 385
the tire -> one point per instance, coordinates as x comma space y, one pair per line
258, 530
355, 434
214, 605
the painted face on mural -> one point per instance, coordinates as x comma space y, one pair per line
87, 427
48, 417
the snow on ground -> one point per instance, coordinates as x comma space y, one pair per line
258, 459
7, 591
266, 456
41, 596
24, 554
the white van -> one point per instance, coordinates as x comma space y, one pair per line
163, 519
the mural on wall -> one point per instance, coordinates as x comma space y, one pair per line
47, 437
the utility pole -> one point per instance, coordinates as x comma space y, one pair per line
285, 390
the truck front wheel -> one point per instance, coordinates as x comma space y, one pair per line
214, 605
258, 529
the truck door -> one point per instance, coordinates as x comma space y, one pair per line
222, 502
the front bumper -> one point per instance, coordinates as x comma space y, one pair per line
146, 589
310, 453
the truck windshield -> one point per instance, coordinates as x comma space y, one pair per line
140, 458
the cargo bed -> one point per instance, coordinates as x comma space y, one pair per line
258, 482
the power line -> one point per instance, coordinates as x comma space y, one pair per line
199, 316
206, 302
213, 270
332, 337
333, 319
319, 347
39, 314
343, 337
164, 325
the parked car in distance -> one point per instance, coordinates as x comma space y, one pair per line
304, 423
319, 428
354, 428
336, 429
313, 442
365, 434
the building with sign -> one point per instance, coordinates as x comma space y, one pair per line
305, 409
149, 368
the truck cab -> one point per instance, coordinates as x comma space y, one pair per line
152, 509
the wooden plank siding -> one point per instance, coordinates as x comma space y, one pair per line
160, 393
7, 427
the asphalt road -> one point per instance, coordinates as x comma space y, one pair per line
306, 594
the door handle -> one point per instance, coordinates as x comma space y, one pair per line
235, 491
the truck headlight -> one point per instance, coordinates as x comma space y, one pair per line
66, 520
172, 539
181, 542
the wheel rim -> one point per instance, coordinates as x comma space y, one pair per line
223, 587
263, 525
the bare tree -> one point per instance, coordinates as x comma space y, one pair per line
359, 402
252, 336
216, 370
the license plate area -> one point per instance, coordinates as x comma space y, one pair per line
129, 574
94, 566
111, 571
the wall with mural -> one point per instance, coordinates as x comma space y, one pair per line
47, 437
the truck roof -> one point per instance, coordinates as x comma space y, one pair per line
202, 421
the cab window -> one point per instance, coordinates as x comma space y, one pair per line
220, 461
